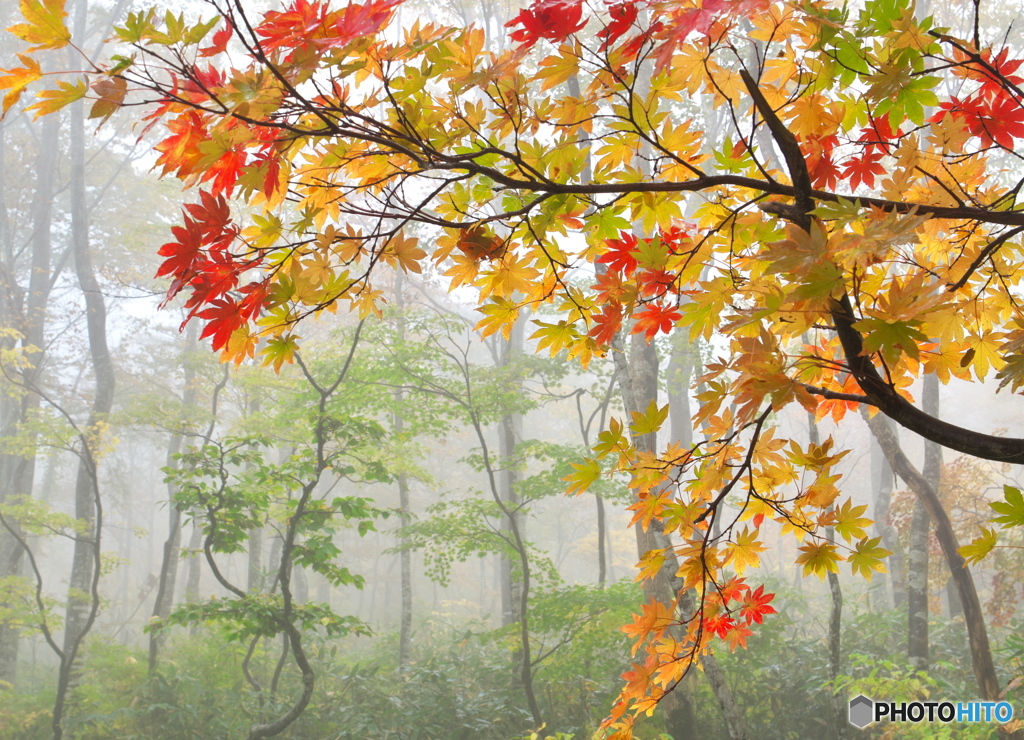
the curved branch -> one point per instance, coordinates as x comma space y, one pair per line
896, 407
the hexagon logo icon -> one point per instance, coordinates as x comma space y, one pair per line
861, 711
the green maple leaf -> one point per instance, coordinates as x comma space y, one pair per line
867, 557
1012, 510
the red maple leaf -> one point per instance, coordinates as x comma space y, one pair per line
219, 43
995, 119
620, 254
756, 605
733, 590
623, 16
292, 28
607, 324
179, 152
863, 169
878, 135
992, 72
656, 283
182, 253
719, 625
822, 168
356, 21
222, 317
554, 20
656, 318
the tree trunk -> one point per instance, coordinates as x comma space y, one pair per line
917, 557
882, 475
404, 517
510, 431
683, 361
86, 546
172, 546
981, 655
637, 378
17, 473
835, 618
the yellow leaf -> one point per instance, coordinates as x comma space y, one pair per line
742, 552
867, 557
499, 315
405, 251
44, 26
819, 558
649, 421
17, 79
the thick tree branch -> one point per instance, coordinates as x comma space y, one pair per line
896, 407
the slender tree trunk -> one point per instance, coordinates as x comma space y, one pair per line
637, 378
882, 475
917, 556
172, 546
509, 434
404, 516
680, 371
17, 473
83, 564
981, 654
835, 618
195, 542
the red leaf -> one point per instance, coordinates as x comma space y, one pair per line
719, 625
623, 16
619, 255
756, 605
863, 169
292, 28
656, 318
179, 152
554, 20
995, 119
222, 318
607, 324
220, 42
357, 21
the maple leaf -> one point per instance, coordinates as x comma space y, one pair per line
586, 473
294, 27
655, 318
405, 252
17, 79
757, 605
867, 557
623, 15
742, 552
223, 318
44, 24
357, 20
219, 42
554, 20
848, 521
863, 170
607, 324
620, 255
1011, 509
819, 558
737, 637
480, 243
719, 625
979, 547
995, 119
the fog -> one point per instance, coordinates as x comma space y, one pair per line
371, 535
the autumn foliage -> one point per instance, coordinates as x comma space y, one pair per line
842, 229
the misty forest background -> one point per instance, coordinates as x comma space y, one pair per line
450, 455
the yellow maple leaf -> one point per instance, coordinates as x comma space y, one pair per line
44, 27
